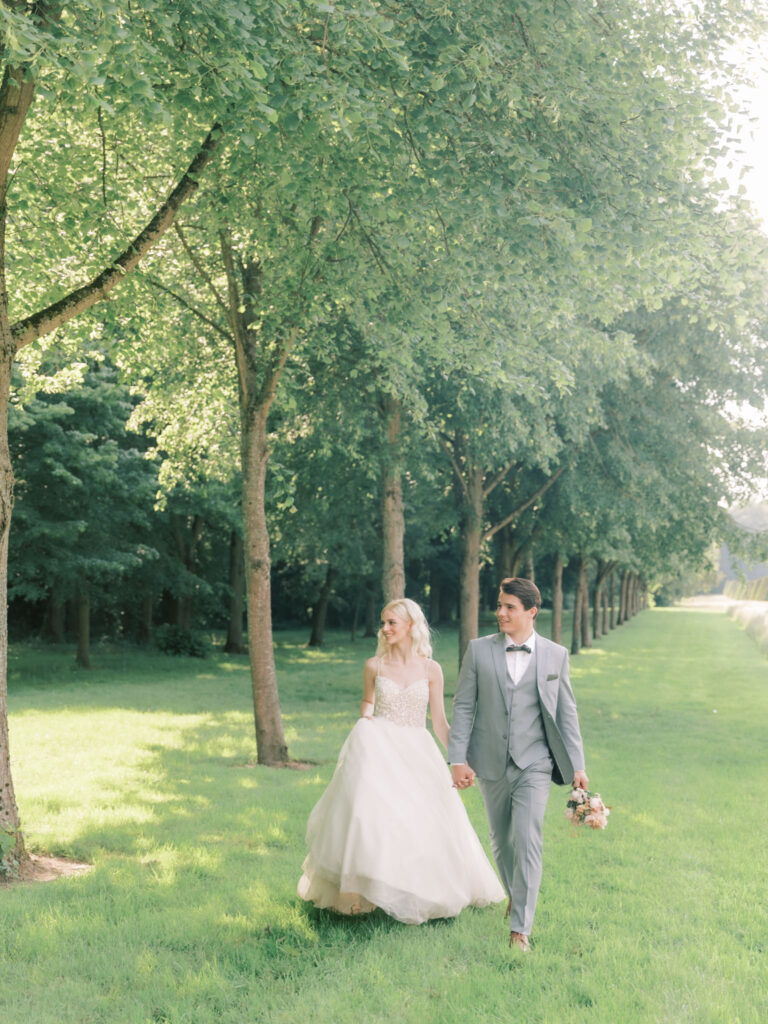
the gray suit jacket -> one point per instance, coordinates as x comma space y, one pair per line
480, 722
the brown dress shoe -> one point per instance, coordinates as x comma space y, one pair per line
519, 941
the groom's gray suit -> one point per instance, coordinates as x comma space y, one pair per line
517, 738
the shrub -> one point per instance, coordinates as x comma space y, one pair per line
179, 641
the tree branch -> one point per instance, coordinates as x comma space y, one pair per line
233, 316
498, 478
47, 320
526, 504
270, 384
186, 304
198, 265
375, 251
103, 134
442, 440
16, 93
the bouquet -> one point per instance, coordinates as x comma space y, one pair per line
585, 808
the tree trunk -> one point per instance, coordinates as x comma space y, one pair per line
515, 568
355, 617
586, 638
184, 612
371, 611
54, 619
632, 595
557, 599
447, 604
435, 595
507, 567
9, 812
145, 619
16, 94
187, 532
597, 607
83, 656
612, 616
530, 568
270, 738
235, 644
471, 544
320, 609
578, 597
623, 598
603, 573
393, 515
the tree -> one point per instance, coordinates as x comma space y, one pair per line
96, 66
84, 496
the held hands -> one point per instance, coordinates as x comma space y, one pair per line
580, 780
463, 776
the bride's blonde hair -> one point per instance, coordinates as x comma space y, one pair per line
408, 611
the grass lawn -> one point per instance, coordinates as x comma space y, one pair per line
144, 767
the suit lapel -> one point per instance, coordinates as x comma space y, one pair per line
547, 687
500, 664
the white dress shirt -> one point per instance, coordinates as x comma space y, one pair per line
517, 661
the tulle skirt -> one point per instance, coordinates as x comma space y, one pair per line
390, 831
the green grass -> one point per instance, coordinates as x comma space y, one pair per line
144, 767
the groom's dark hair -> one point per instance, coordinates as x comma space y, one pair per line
525, 590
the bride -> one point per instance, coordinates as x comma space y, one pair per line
390, 830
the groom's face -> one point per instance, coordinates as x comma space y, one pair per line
513, 619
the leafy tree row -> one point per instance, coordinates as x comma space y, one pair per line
488, 243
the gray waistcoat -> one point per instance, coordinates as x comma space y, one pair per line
527, 740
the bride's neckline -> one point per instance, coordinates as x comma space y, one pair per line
401, 686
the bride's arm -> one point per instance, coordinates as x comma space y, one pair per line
440, 725
369, 680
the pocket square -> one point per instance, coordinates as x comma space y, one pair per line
552, 675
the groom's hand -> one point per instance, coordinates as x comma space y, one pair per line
463, 776
580, 780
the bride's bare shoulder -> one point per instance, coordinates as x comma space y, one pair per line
434, 671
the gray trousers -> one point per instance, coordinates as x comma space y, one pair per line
515, 805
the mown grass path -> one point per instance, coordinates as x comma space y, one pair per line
189, 916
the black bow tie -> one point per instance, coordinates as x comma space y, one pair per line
519, 647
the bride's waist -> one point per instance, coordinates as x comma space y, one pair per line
400, 722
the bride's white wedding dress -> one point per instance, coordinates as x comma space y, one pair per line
390, 830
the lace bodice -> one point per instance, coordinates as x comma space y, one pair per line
403, 705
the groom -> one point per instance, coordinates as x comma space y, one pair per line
515, 725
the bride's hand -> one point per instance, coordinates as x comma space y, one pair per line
463, 776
